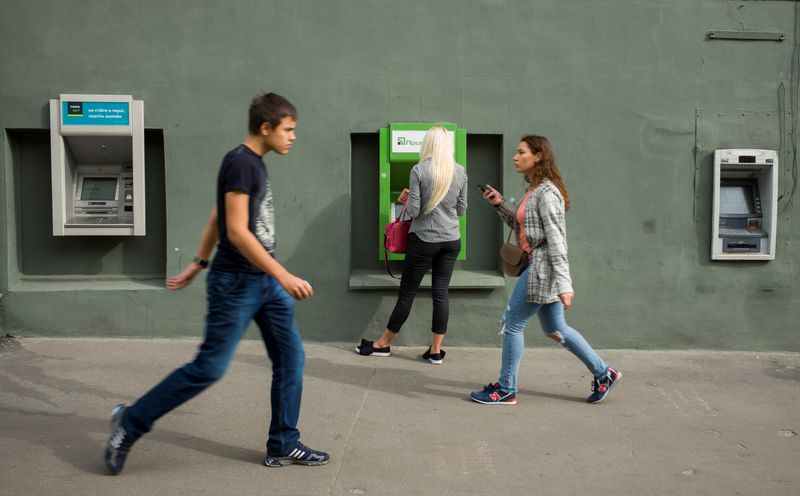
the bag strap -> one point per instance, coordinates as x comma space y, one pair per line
386, 259
403, 213
513, 230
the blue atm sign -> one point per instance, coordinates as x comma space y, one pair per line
95, 114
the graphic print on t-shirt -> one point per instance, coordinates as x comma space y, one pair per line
265, 220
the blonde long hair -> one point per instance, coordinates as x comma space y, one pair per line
438, 147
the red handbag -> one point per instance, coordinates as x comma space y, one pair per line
395, 237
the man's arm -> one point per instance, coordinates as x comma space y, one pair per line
236, 220
208, 239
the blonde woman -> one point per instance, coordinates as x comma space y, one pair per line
436, 197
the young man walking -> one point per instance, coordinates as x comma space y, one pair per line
245, 283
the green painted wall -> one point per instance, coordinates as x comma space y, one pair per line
632, 93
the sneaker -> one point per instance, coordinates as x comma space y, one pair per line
434, 358
602, 386
300, 454
366, 349
493, 395
119, 442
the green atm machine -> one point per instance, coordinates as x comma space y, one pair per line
400, 146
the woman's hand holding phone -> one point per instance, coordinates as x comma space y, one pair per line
490, 194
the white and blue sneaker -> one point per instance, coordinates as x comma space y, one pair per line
300, 455
119, 442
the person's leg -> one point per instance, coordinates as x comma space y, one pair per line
276, 321
417, 261
518, 313
233, 299
516, 316
284, 347
436, 343
555, 327
385, 340
442, 271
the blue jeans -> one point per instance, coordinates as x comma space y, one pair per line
551, 315
234, 299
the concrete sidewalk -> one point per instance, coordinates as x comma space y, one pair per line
683, 423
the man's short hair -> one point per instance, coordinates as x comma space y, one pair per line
270, 108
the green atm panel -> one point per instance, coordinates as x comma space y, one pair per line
400, 145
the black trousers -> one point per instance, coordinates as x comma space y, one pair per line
419, 256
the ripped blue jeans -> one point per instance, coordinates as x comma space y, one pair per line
551, 315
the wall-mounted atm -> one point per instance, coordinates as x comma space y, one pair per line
745, 209
97, 165
400, 146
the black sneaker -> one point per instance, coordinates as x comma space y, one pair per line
119, 442
366, 349
434, 358
493, 395
300, 454
602, 386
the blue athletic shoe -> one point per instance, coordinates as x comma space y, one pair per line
601, 386
493, 395
300, 454
119, 442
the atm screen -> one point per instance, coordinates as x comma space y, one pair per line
736, 199
99, 188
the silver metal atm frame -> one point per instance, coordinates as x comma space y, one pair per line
103, 139
745, 208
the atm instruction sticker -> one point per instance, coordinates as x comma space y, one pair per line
95, 114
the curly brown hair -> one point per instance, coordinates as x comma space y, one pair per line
546, 168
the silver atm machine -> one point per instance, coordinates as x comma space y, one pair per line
745, 205
97, 165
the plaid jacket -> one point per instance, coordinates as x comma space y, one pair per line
546, 231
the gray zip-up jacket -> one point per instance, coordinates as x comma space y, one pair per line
441, 223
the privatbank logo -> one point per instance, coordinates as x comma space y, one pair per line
403, 141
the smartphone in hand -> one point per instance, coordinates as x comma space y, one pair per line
482, 188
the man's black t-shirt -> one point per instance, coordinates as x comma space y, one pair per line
244, 170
